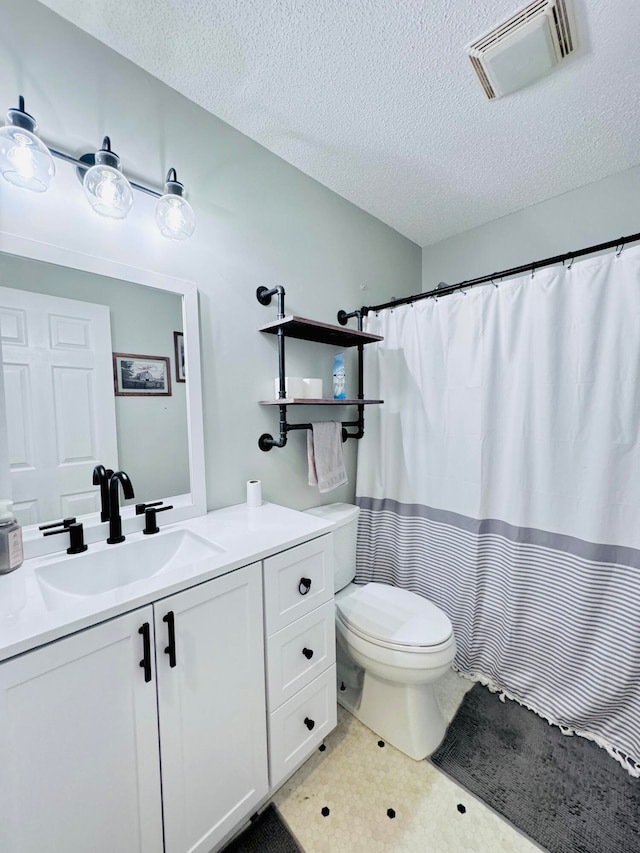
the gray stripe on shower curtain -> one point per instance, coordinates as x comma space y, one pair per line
507, 591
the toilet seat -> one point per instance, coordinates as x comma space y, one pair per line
394, 618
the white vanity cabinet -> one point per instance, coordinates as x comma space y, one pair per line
300, 640
81, 719
79, 762
213, 739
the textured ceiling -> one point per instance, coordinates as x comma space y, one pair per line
377, 100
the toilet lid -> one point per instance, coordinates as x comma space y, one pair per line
392, 615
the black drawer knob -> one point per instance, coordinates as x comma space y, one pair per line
308, 653
309, 723
304, 586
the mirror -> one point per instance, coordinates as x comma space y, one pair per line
69, 404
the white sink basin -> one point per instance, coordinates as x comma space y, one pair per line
65, 581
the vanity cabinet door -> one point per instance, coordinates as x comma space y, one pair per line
79, 766
211, 703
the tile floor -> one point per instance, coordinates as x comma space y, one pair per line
358, 781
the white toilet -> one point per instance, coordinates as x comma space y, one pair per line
392, 645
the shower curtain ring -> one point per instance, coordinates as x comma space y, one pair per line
619, 252
533, 270
572, 260
493, 283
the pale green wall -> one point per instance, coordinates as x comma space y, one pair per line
260, 221
595, 213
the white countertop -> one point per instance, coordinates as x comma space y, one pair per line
244, 536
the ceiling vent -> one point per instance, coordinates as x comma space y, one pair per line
523, 48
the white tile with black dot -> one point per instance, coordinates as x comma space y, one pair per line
360, 795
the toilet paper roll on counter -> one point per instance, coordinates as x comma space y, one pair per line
254, 493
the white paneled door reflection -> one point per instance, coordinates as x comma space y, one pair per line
59, 402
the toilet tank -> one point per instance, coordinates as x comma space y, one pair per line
345, 535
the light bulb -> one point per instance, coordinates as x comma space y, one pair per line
174, 215
25, 161
107, 189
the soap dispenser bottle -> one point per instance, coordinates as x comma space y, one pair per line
339, 378
11, 553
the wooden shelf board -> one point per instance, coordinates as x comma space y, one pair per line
305, 401
324, 333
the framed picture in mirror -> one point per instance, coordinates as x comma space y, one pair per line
178, 347
141, 375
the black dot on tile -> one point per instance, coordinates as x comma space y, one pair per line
461, 808
380, 743
325, 811
322, 747
391, 813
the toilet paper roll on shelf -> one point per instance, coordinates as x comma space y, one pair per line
298, 388
254, 493
294, 386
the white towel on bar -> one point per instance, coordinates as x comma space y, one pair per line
324, 452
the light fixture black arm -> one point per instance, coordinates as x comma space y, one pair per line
87, 160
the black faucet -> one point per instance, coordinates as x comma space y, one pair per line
73, 528
101, 477
115, 522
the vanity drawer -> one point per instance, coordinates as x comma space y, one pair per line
297, 581
299, 725
300, 652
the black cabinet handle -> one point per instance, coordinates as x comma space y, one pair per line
304, 586
145, 663
170, 650
308, 653
309, 723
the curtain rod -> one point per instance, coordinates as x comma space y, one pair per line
534, 265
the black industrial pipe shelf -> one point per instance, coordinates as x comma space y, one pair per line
322, 333
321, 401
312, 330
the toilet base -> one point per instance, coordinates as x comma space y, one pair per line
408, 716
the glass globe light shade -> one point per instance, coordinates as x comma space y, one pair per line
108, 190
174, 215
25, 161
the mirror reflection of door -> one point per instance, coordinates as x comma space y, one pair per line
60, 408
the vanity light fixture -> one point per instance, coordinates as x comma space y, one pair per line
174, 215
107, 189
25, 161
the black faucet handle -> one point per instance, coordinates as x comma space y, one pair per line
76, 536
150, 521
65, 523
140, 508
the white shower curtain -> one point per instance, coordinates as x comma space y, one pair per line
501, 479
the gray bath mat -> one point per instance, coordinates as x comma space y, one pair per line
268, 833
567, 794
